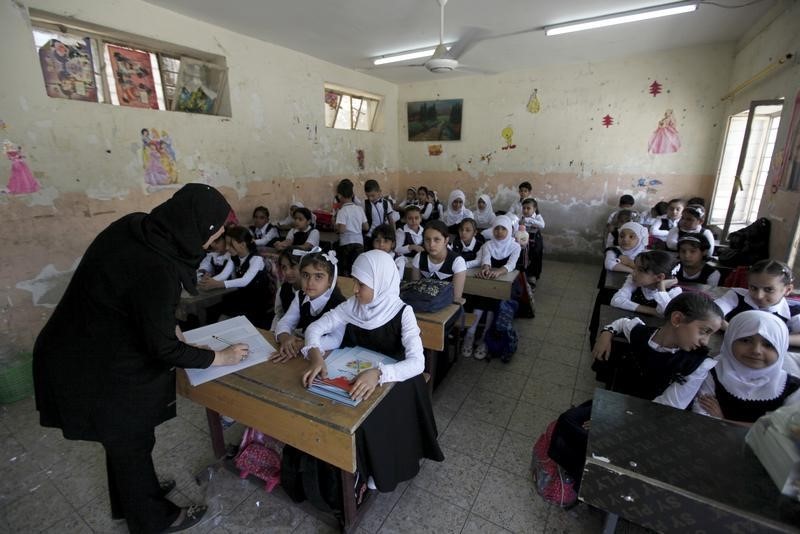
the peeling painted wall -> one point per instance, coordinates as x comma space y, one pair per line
578, 167
87, 157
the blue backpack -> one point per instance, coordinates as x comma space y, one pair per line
501, 339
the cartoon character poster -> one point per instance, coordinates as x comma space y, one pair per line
133, 75
68, 69
21, 180
158, 158
665, 139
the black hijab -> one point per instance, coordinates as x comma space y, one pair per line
180, 227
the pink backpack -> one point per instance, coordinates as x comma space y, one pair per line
552, 483
260, 456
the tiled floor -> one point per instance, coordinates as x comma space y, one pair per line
488, 415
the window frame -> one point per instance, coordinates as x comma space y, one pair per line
354, 115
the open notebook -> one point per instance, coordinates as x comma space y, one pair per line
235, 330
343, 366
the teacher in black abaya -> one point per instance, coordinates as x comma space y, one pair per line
104, 364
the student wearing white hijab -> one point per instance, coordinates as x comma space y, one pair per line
484, 216
749, 379
456, 210
401, 430
633, 239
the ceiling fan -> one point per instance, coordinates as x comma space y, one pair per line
445, 58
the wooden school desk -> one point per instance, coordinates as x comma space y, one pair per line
675, 471
197, 304
498, 288
271, 398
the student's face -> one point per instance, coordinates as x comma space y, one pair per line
500, 232
214, 237
413, 218
628, 239
314, 281
466, 232
363, 293
219, 246
300, 222
435, 243
690, 255
674, 211
528, 210
422, 196
260, 219
457, 204
693, 335
481, 204
767, 289
374, 196
410, 195
689, 221
431, 198
524, 193
644, 278
288, 271
381, 243
239, 248
754, 351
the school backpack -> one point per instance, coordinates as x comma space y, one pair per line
522, 292
552, 482
259, 455
748, 245
427, 294
501, 338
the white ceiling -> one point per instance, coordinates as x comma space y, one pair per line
349, 32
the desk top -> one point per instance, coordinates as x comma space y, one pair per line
494, 288
688, 456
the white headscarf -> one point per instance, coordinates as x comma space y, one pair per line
454, 217
376, 270
484, 217
643, 235
502, 249
745, 382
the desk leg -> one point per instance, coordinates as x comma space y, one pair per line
431, 359
215, 429
349, 500
610, 524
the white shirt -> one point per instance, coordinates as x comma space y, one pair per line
612, 260
262, 236
730, 300
334, 323
535, 221
634, 216
352, 217
459, 265
655, 228
214, 258
712, 280
511, 264
400, 238
279, 311
622, 298
256, 264
313, 237
426, 211
672, 238
400, 261
378, 216
288, 323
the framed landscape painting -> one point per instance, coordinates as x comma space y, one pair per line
435, 120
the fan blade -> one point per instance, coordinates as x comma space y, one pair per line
469, 38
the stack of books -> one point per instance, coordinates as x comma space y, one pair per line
344, 365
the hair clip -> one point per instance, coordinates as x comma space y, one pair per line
301, 253
331, 257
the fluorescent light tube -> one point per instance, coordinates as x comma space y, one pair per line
621, 18
405, 56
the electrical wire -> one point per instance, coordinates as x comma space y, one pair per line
726, 6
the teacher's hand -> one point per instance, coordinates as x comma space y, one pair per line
232, 355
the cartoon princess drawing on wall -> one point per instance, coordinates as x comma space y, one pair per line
665, 139
22, 180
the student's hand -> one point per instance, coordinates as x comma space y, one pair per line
460, 301
210, 283
666, 284
364, 384
627, 262
179, 333
288, 349
587, 425
232, 355
602, 346
315, 367
491, 274
280, 245
646, 310
416, 248
484, 272
710, 404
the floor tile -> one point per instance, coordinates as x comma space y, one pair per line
488, 407
41, 507
97, 514
579, 520
451, 395
521, 362
546, 394
553, 372
497, 380
511, 501
530, 419
82, 483
514, 454
561, 354
73, 524
421, 511
262, 512
478, 525
457, 480
474, 438
443, 417
381, 507
313, 525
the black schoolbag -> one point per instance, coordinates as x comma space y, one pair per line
748, 245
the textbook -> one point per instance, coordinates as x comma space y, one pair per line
219, 336
343, 367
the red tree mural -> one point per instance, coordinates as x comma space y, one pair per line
608, 120
655, 88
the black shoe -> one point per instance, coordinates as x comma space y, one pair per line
194, 514
165, 487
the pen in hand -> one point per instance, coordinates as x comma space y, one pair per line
223, 340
